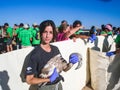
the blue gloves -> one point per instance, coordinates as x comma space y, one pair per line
73, 58
110, 53
54, 76
92, 38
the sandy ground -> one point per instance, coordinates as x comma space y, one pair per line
87, 88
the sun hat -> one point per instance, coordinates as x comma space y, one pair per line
26, 26
109, 27
35, 24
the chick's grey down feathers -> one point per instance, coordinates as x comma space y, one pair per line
60, 64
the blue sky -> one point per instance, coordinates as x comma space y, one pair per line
89, 12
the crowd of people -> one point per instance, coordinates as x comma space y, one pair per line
24, 35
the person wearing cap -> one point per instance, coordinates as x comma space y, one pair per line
25, 37
107, 30
9, 35
109, 27
35, 35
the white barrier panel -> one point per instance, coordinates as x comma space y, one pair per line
114, 73
10, 68
105, 71
11, 64
103, 44
98, 68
